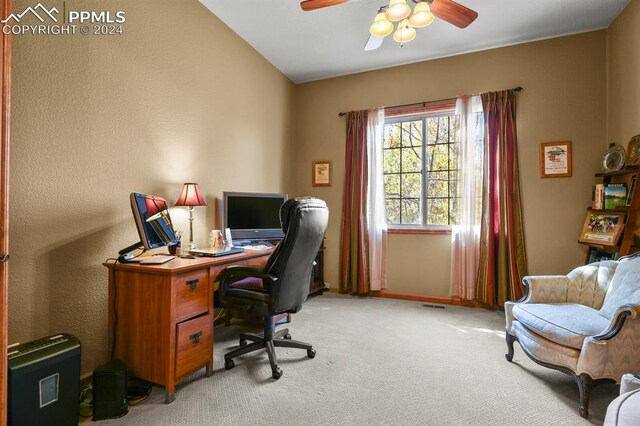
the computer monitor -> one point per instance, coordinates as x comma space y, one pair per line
152, 220
253, 216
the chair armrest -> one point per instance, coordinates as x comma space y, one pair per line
545, 289
239, 272
234, 273
613, 352
625, 311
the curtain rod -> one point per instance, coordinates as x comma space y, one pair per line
517, 89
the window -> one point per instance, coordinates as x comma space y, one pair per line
420, 169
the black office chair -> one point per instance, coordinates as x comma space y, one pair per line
285, 280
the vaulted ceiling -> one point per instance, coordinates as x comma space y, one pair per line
329, 42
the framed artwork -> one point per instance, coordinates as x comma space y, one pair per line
555, 159
602, 228
321, 173
633, 150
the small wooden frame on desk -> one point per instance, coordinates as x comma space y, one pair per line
602, 228
555, 159
321, 173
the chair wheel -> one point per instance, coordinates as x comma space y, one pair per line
229, 364
311, 353
243, 342
277, 373
287, 336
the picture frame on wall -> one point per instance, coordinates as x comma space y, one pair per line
555, 159
602, 229
321, 173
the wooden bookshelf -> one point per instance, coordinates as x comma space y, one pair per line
625, 245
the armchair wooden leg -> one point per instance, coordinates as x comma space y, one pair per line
585, 383
510, 339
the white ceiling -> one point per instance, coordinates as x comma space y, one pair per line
329, 42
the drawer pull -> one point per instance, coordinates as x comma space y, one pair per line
193, 283
195, 337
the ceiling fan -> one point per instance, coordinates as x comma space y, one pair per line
398, 10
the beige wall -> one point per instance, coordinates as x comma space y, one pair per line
564, 99
623, 76
178, 98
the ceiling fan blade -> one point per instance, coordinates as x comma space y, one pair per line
373, 43
317, 4
454, 13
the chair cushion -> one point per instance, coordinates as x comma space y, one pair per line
624, 288
566, 324
624, 410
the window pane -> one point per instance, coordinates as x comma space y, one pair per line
437, 157
392, 186
412, 133
437, 185
391, 160
405, 164
437, 212
392, 135
454, 149
454, 207
393, 210
411, 211
411, 160
443, 130
454, 185
412, 185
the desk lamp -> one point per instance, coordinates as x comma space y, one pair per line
191, 197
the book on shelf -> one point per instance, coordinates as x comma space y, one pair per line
615, 194
597, 197
632, 187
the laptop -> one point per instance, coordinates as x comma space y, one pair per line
215, 252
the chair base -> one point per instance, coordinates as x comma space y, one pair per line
584, 382
281, 338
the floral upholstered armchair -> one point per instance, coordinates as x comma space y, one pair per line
586, 323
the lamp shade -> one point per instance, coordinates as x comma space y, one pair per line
190, 196
381, 26
398, 10
422, 15
405, 32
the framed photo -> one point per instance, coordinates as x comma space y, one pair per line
555, 159
321, 173
602, 228
633, 150
599, 255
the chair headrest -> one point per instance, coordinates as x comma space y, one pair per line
299, 203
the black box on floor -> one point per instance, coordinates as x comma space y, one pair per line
110, 390
44, 382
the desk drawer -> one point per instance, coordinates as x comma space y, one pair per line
192, 294
194, 345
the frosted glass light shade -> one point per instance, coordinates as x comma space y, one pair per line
422, 15
398, 10
405, 32
381, 26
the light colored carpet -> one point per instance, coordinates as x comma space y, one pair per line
379, 362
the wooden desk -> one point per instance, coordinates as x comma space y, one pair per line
163, 315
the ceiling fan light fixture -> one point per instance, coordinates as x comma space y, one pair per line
405, 32
381, 26
422, 15
398, 10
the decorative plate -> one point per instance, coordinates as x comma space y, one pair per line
633, 150
614, 159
